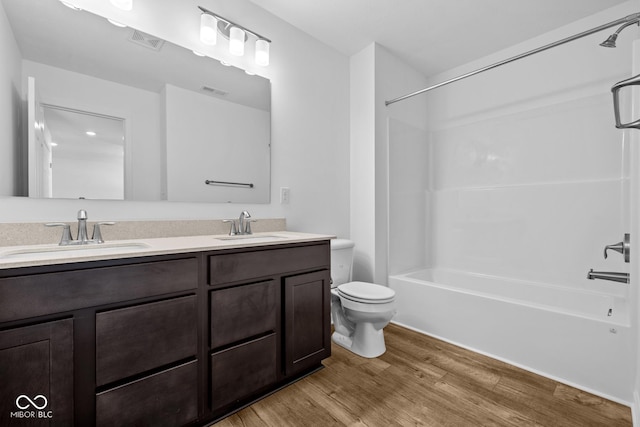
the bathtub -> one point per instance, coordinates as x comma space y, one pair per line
580, 338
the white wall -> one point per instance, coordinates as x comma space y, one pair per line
377, 75
310, 129
10, 111
362, 164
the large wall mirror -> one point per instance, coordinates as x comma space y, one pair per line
114, 113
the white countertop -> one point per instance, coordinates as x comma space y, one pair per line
35, 255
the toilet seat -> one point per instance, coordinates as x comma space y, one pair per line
367, 293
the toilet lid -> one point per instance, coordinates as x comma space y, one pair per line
366, 292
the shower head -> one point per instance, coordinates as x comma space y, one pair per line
611, 40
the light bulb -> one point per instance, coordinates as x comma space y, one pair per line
262, 52
236, 41
208, 29
123, 4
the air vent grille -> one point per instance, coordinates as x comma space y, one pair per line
146, 40
214, 91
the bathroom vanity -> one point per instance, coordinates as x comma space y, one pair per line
182, 331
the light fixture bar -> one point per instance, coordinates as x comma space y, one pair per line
220, 18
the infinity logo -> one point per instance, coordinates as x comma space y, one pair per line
33, 403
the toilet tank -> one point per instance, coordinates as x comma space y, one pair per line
341, 261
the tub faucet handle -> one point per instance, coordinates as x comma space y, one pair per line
621, 247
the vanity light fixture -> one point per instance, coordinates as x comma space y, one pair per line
123, 4
90, 133
236, 41
208, 29
237, 35
262, 52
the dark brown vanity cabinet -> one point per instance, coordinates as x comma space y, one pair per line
36, 374
244, 341
270, 319
133, 343
307, 320
164, 340
105, 343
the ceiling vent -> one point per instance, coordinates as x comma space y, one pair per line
146, 40
214, 91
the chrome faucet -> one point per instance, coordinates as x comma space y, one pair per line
622, 247
242, 222
242, 225
83, 237
608, 275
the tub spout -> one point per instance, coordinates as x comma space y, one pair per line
608, 275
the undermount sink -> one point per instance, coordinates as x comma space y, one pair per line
56, 251
251, 237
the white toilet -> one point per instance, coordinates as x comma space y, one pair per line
359, 310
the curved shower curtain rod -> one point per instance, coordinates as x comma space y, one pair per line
626, 20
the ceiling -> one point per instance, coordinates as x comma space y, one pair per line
431, 35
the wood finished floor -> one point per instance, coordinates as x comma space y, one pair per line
421, 381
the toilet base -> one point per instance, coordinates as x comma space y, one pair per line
366, 341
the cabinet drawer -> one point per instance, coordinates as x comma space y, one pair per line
136, 339
227, 268
242, 312
27, 296
240, 371
168, 398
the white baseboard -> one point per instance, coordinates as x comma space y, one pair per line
635, 409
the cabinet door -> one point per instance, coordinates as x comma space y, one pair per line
307, 321
36, 375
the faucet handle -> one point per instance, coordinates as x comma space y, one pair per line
66, 232
233, 231
97, 233
82, 214
247, 226
621, 247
